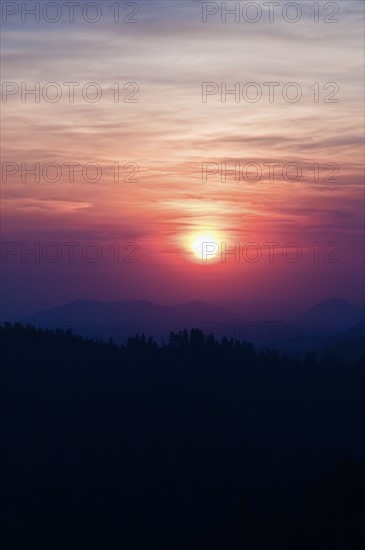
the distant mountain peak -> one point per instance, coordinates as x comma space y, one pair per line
335, 301
338, 311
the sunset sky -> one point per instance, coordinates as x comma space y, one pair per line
169, 139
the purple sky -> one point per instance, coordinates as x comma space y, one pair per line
282, 178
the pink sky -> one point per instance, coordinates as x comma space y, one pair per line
171, 134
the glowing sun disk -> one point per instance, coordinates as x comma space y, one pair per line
205, 246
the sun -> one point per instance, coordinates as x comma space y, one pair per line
205, 247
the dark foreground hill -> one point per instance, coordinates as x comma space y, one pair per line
192, 445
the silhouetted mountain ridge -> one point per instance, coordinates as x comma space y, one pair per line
320, 326
341, 313
123, 319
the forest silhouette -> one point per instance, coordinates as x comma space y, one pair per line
192, 444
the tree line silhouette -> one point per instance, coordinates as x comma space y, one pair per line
192, 444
